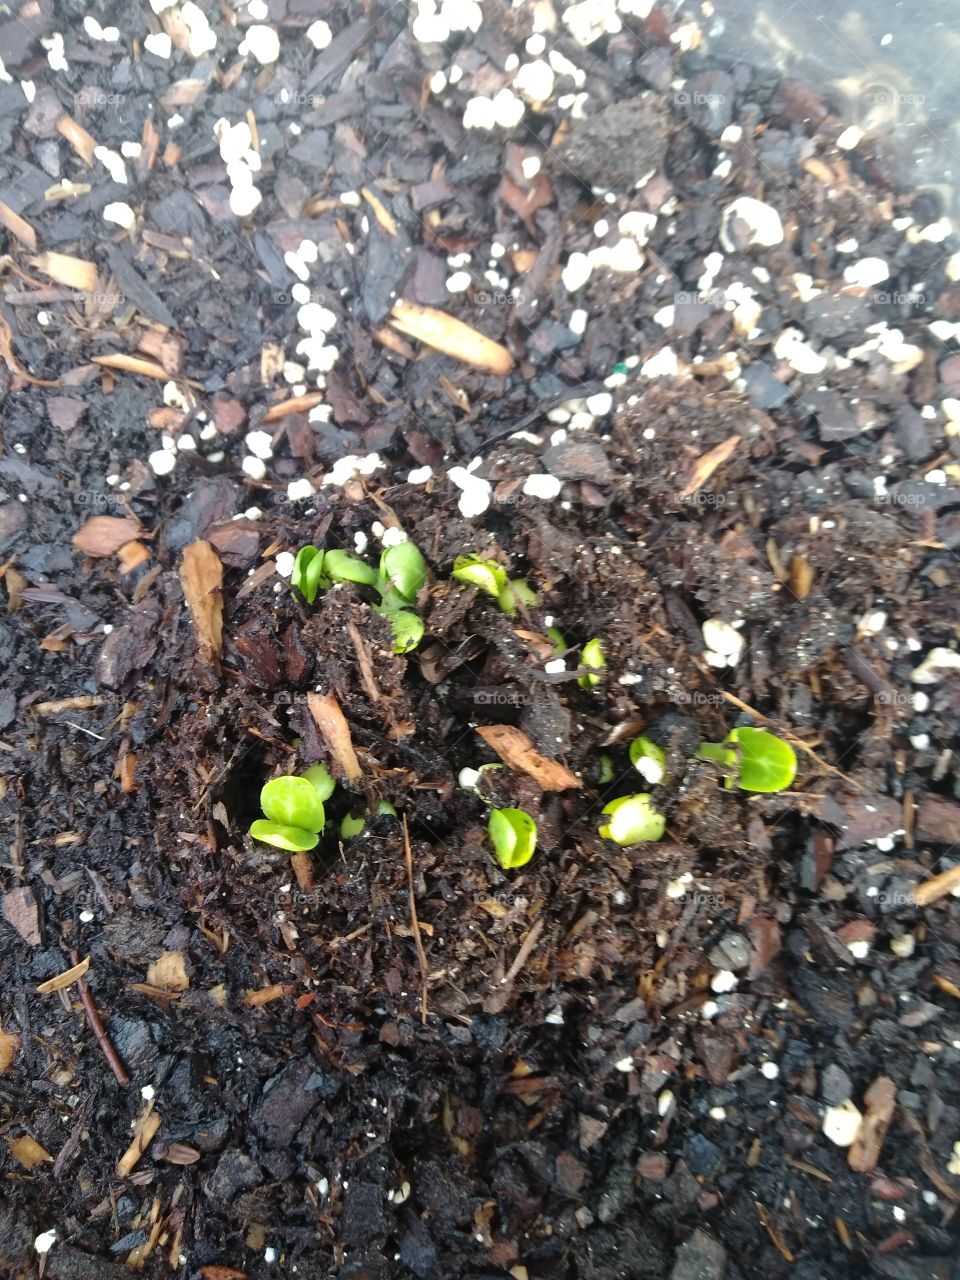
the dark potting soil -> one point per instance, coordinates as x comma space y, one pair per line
731, 1053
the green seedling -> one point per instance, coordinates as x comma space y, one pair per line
606, 769
307, 574
513, 834
632, 820
351, 826
490, 577
753, 759
341, 566
517, 591
591, 655
403, 570
649, 760
293, 813
470, 779
487, 575
557, 639
318, 775
407, 630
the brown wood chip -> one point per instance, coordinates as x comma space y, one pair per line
201, 575
63, 980
143, 1135
168, 972
105, 535
880, 1099
256, 998
454, 338
81, 141
296, 404
516, 750
21, 912
180, 1153
18, 227
380, 212
332, 724
9, 1048
705, 466
75, 273
132, 364
28, 1152
937, 887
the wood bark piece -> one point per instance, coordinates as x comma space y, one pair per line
451, 336
937, 887
63, 980
880, 1099
75, 273
201, 575
81, 141
21, 912
143, 1135
18, 227
332, 724
516, 750
104, 535
132, 364
705, 466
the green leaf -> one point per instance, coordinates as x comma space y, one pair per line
318, 775
523, 592
632, 820
649, 759
293, 839
343, 567
307, 573
407, 630
591, 655
767, 763
556, 638
293, 802
513, 834
485, 574
351, 826
384, 807
405, 569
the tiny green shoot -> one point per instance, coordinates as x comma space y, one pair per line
307, 574
632, 820
557, 639
753, 759
490, 577
591, 655
606, 769
476, 572
649, 759
351, 826
318, 775
513, 834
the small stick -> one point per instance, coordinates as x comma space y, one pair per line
95, 1023
364, 663
523, 955
415, 923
